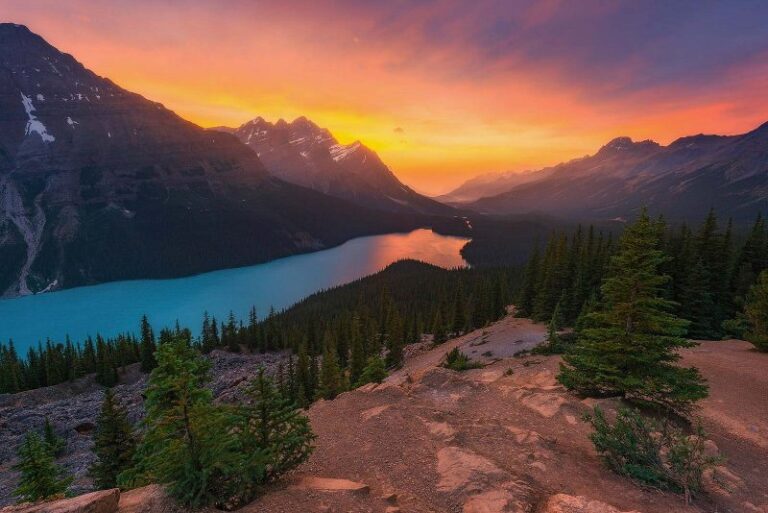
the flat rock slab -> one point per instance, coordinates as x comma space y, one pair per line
104, 501
329, 484
562, 503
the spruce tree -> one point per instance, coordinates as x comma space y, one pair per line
187, 444
357, 359
438, 329
40, 478
331, 383
147, 347
395, 341
114, 443
55, 443
459, 312
527, 294
632, 350
272, 423
756, 312
304, 377
374, 372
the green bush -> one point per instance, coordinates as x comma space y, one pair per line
458, 361
654, 454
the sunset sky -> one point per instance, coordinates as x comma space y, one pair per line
443, 90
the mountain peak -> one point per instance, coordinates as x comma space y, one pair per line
14, 28
620, 143
624, 144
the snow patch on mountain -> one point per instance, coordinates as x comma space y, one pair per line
34, 125
342, 151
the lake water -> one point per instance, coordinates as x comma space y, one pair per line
117, 307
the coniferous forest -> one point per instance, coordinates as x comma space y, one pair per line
711, 266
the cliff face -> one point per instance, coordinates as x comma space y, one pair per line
98, 183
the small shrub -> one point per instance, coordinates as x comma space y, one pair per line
654, 454
374, 371
488, 354
458, 361
555, 345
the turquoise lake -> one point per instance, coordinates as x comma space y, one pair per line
117, 307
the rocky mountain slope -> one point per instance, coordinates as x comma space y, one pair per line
682, 180
503, 438
301, 152
98, 183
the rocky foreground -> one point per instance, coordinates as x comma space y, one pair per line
504, 438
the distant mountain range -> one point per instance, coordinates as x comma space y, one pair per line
302, 153
488, 184
682, 180
98, 183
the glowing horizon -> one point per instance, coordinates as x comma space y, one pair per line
442, 90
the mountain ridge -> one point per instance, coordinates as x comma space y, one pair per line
682, 180
98, 184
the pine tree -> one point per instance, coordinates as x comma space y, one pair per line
304, 377
374, 372
459, 312
527, 294
106, 371
40, 478
357, 360
756, 312
330, 373
631, 352
395, 341
55, 443
187, 444
273, 429
148, 346
114, 443
438, 329
555, 324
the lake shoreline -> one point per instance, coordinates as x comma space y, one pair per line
116, 307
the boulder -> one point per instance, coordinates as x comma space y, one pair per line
104, 501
